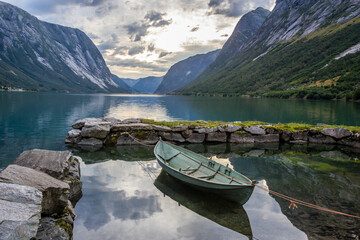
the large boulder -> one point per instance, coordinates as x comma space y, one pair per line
216, 137
286, 135
99, 131
321, 139
172, 136
232, 128
58, 164
299, 137
196, 138
241, 138
336, 132
204, 130
88, 121
20, 211
255, 130
73, 136
55, 192
54, 163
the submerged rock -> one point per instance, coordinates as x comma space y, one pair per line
55, 192
337, 132
20, 211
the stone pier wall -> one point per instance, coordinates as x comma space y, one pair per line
98, 132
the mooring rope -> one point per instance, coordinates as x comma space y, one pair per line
293, 201
147, 170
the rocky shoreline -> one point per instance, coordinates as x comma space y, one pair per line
38, 194
95, 133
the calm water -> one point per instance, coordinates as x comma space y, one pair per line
127, 197
32, 120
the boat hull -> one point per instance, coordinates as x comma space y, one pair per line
236, 193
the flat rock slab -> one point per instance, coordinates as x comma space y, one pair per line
55, 192
255, 130
20, 211
54, 163
337, 132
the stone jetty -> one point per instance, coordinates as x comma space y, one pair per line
38, 193
98, 132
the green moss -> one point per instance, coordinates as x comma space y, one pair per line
65, 225
73, 180
213, 124
241, 132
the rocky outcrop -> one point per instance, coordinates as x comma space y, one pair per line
55, 192
144, 131
39, 183
20, 211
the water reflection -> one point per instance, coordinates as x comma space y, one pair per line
228, 214
120, 202
126, 198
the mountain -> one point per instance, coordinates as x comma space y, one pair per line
130, 82
47, 57
245, 29
183, 72
121, 82
304, 49
147, 85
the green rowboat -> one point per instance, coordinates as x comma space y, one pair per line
203, 173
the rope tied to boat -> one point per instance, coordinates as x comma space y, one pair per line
137, 140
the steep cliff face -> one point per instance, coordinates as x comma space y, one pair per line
245, 29
183, 72
43, 56
298, 18
304, 49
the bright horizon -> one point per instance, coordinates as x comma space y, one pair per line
145, 38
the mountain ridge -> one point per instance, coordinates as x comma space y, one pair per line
265, 67
185, 71
48, 57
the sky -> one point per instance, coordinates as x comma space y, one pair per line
140, 38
